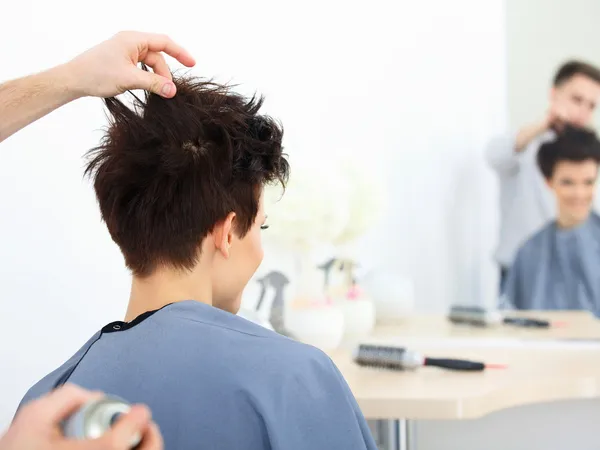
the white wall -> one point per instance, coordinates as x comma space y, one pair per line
541, 35
419, 85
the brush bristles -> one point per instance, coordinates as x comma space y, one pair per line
380, 356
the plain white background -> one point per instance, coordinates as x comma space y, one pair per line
418, 85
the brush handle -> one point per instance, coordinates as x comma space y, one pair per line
525, 322
454, 364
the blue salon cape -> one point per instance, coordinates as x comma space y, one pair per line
558, 269
216, 381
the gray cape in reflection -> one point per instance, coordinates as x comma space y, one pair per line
557, 269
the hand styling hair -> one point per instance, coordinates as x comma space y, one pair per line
571, 144
168, 170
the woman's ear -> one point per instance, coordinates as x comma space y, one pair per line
223, 234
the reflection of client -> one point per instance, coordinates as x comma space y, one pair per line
557, 268
525, 203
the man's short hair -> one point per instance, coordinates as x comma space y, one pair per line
168, 170
571, 68
572, 144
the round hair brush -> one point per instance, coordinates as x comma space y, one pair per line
399, 358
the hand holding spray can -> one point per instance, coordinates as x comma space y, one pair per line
95, 418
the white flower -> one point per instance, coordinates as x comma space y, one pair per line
315, 208
367, 195
330, 200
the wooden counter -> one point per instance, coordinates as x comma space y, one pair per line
543, 366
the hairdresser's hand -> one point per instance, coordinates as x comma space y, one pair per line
111, 67
36, 426
557, 117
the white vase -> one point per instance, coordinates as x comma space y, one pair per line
308, 316
321, 326
359, 318
392, 295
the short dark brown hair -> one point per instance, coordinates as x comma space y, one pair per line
168, 170
571, 144
574, 67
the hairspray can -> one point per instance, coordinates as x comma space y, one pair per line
95, 418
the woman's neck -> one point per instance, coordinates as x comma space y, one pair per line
167, 286
566, 222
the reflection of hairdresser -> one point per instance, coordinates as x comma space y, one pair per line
105, 70
558, 268
37, 426
526, 203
